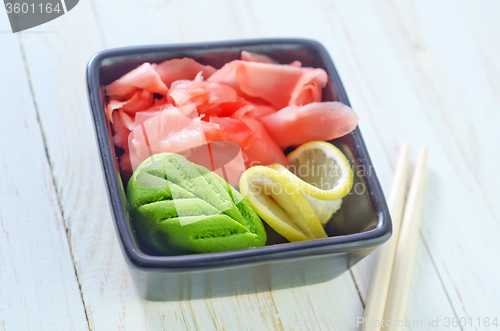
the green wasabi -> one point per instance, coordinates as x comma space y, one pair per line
179, 207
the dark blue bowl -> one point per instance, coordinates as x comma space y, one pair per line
361, 225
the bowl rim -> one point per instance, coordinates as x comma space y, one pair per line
138, 259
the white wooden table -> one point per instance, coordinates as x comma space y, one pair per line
422, 71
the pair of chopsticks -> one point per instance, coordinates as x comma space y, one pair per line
393, 265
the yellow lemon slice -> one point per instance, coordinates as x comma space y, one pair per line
281, 204
320, 170
324, 175
298, 200
324, 209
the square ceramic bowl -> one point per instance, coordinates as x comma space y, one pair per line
361, 225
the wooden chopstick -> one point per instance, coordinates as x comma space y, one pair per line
381, 277
405, 252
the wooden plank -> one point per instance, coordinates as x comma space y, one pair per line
413, 73
60, 92
340, 26
373, 67
320, 306
38, 287
461, 76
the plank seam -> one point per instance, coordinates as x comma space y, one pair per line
183, 321
280, 324
439, 277
44, 139
276, 310
357, 288
98, 23
244, 317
